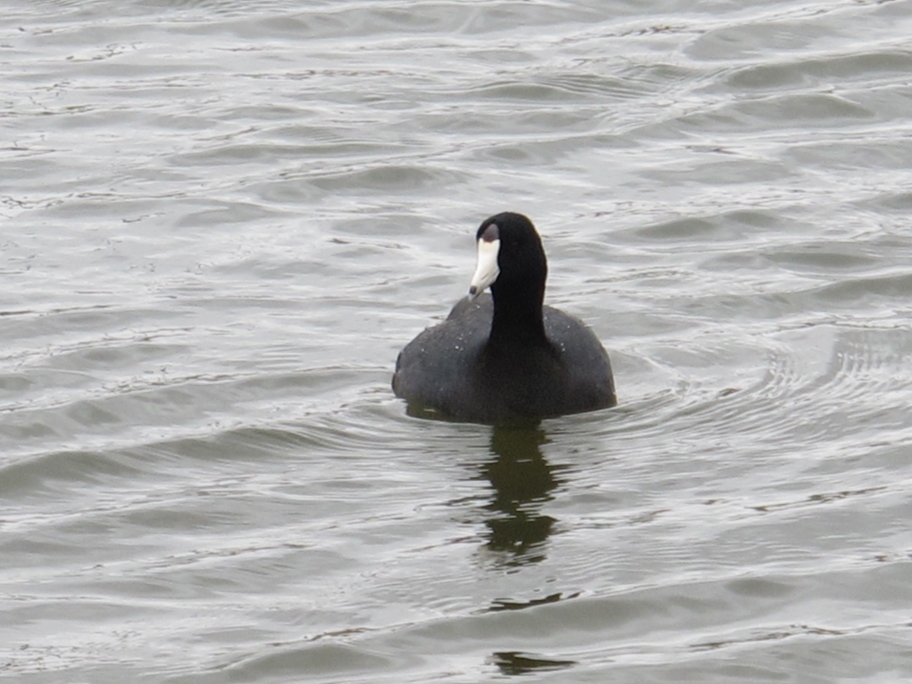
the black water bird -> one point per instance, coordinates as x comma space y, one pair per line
506, 357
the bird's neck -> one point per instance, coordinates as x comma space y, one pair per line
518, 320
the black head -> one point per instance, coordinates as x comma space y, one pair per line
512, 262
511, 258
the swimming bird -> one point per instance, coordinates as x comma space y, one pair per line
505, 357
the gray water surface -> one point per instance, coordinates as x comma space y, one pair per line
220, 222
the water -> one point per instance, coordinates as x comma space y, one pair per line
220, 223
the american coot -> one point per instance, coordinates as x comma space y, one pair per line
505, 358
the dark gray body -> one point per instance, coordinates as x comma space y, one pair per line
450, 368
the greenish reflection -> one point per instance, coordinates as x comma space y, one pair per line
513, 663
522, 480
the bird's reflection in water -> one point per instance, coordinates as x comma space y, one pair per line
522, 481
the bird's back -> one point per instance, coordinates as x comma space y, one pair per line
452, 369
